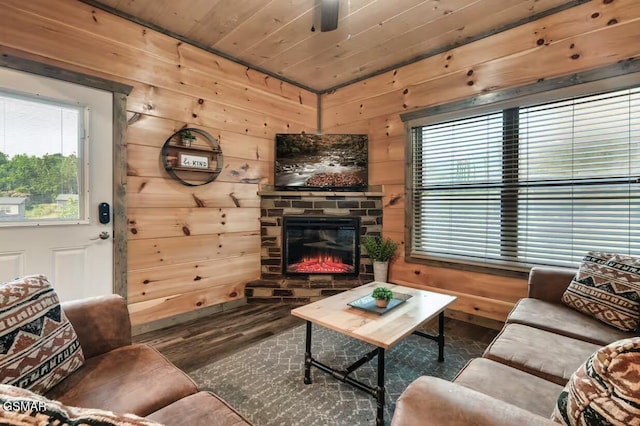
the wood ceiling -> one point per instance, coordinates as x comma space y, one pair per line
373, 35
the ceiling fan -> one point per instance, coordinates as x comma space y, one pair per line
329, 15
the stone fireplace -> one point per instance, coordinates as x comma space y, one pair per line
310, 243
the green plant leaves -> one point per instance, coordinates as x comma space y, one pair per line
378, 248
382, 293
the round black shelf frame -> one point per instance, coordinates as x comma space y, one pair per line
215, 151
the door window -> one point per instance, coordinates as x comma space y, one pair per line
42, 171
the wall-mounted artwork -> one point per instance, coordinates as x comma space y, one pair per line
321, 162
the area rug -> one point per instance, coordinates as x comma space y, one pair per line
265, 382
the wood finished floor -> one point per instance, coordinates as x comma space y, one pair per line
196, 343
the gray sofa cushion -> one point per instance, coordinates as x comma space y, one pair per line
29, 408
544, 354
133, 379
199, 409
510, 385
430, 401
560, 319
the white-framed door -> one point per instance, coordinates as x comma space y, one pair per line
75, 254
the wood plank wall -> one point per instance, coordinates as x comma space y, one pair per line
189, 248
594, 34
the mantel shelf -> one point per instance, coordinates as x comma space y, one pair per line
202, 149
194, 169
372, 191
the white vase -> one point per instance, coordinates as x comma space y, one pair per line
380, 271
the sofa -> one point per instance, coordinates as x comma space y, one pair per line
524, 369
122, 377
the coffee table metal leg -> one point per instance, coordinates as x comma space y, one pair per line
441, 337
436, 337
380, 389
307, 356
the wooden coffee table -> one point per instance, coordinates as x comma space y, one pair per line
381, 330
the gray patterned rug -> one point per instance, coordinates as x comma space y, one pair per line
264, 382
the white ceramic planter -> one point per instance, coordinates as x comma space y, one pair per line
380, 271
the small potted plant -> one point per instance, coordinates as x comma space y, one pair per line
383, 296
380, 250
186, 137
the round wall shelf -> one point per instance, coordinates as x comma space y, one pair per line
192, 157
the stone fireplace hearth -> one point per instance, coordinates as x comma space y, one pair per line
276, 285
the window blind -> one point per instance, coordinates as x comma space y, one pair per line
539, 184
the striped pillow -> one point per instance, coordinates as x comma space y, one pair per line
607, 287
38, 345
605, 390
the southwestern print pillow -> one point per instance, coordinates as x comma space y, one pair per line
605, 390
38, 345
607, 287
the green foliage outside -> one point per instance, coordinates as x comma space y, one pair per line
378, 248
52, 211
41, 180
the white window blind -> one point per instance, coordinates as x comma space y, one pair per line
533, 185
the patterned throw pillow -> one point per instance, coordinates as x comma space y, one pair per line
20, 407
605, 390
607, 287
38, 345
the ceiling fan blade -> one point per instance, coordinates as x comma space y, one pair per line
329, 15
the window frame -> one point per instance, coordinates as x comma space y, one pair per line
84, 113
608, 79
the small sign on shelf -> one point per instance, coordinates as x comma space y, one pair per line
190, 161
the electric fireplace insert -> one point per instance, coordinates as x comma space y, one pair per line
321, 245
